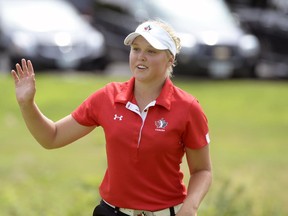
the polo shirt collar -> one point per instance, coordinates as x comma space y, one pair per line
126, 91
164, 99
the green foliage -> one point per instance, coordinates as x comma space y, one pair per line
248, 127
229, 200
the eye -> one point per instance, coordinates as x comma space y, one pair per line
135, 48
152, 51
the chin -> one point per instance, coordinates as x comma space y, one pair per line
141, 77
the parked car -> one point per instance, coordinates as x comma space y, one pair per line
212, 41
271, 28
51, 33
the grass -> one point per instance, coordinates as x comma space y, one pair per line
248, 127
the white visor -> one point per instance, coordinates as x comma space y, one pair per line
155, 35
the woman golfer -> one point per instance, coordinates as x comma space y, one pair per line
149, 125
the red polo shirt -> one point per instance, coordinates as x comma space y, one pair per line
144, 150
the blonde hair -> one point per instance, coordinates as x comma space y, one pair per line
174, 37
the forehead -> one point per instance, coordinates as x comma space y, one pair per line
140, 40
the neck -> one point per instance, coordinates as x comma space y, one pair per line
148, 90
145, 93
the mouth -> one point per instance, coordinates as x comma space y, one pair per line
141, 67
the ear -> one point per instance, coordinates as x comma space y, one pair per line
171, 60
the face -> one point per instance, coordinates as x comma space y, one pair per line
148, 64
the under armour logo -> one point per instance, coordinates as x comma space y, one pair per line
116, 117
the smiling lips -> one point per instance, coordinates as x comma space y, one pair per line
142, 67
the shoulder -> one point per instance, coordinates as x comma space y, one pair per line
186, 100
182, 95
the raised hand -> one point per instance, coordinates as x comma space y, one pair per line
24, 79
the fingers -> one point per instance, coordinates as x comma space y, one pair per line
30, 67
23, 70
19, 70
24, 66
15, 76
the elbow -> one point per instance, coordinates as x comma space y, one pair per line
204, 171
43, 143
53, 145
205, 174
47, 142
47, 146
209, 175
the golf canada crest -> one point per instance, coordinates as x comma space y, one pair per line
161, 124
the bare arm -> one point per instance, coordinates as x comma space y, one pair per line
48, 133
200, 180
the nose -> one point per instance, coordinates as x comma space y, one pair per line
142, 56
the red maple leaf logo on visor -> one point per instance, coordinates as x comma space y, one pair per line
147, 28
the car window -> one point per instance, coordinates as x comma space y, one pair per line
42, 15
197, 14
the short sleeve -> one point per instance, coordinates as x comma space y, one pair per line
87, 113
196, 133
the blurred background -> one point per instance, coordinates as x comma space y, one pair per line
233, 59
220, 39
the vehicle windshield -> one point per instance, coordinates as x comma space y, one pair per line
199, 15
41, 16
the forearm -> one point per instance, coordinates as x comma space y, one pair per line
46, 132
42, 128
198, 186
